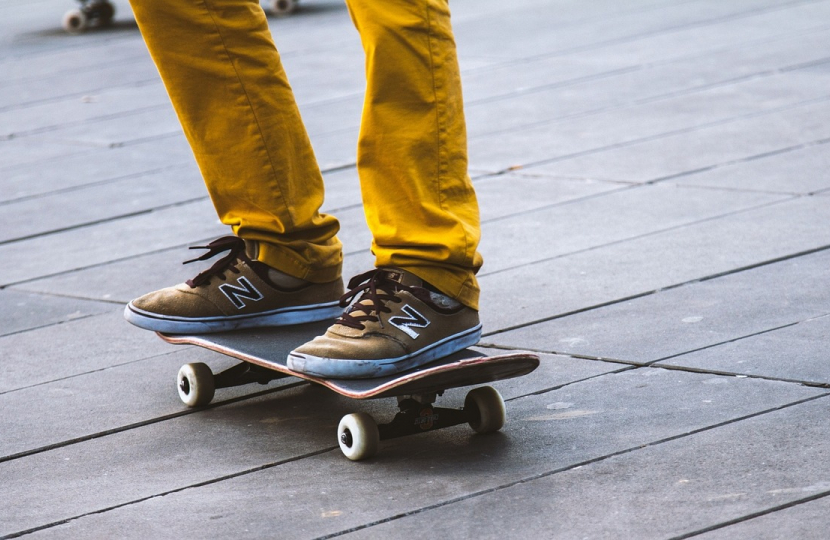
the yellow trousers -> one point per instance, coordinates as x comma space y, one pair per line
227, 84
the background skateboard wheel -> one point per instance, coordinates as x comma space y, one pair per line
283, 7
486, 408
358, 436
195, 384
75, 21
106, 12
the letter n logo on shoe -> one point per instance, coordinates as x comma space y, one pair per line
412, 320
238, 295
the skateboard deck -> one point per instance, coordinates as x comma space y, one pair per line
269, 348
264, 352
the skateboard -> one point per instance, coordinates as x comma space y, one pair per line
97, 13
263, 353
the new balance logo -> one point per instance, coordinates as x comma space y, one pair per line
412, 320
238, 295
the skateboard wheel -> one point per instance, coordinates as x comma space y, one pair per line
195, 384
283, 7
106, 12
75, 21
486, 409
358, 436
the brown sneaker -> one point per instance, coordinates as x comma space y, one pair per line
236, 292
397, 324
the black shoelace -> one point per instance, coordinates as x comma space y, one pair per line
376, 288
236, 248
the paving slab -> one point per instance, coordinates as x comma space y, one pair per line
643, 265
88, 246
632, 126
680, 153
21, 93
324, 494
117, 397
291, 410
136, 387
590, 94
126, 128
695, 316
803, 170
651, 50
87, 109
100, 202
598, 97
342, 190
530, 27
332, 115
43, 354
337, 149
625, 213
21, 311
662, 491
331, 73
66, 60
83, 166
16, 152
795, 352
516, 195
805, 521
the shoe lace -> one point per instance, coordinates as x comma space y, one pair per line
376, 291
236, 248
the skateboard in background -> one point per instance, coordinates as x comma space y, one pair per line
91, 14
99, 14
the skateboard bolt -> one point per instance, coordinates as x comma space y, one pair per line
184, 384
346, 438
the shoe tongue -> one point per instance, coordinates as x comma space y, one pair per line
402, 276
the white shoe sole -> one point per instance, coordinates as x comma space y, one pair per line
337, 368
205, 325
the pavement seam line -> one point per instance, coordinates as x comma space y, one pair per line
97, 183
567, 468
656, 98
671, 133
47, 325
230, 476
753, 515
100, 221
654, 363
739, 161
648, 34
733, 340
91, 120
429, 507
783, 200
143, 423
692, 90
655, 291
98, 370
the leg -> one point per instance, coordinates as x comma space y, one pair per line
228, 87
419, 201
225, 79
412, 153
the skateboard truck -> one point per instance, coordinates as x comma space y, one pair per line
359, 435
